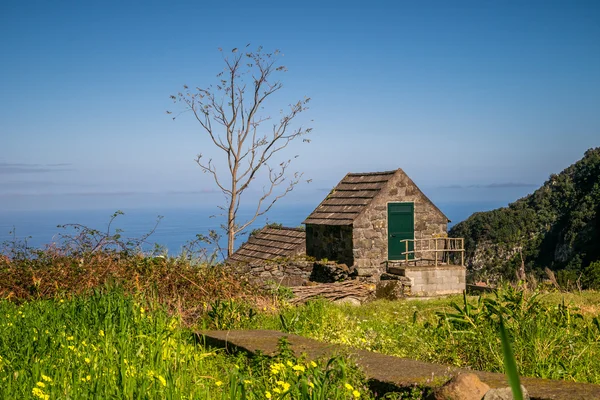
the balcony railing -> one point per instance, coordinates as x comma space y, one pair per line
433, 251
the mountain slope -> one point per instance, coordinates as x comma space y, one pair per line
557, 226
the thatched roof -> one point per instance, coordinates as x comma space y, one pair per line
269, 244
351, 196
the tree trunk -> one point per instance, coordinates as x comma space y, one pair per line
231, 227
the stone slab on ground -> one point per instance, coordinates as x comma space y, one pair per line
389, 371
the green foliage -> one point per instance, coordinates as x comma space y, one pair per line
557, 226
230, 314
510, 364
107, 345
110, 345
287, 376
278, 291
591, 276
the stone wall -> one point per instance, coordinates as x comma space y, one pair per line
436, 281
330, 242
295, 272
370, 228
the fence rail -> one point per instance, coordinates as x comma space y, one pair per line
441, 249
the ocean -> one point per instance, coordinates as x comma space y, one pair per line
178, 225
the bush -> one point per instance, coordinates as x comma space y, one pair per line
590, 278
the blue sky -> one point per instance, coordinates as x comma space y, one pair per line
476, 101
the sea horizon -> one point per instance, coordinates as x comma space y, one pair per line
178, 225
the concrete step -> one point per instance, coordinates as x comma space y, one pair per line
396, 270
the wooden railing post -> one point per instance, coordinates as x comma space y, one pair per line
406, 250
462, 253
436, 251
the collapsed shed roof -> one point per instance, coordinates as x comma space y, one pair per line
269, 244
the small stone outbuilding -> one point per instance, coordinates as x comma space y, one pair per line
271, 243
274, 254
364, 219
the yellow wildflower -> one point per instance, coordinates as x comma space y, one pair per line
348, 386
46, 378
218, 383
356, 394
87, 360
247, 382
289, 363
70, 338
162, 380
268, 395
312, 385
39, 393
41, 384
298, 368
313, 364
284, 385
101, 333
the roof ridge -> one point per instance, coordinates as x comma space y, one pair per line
371, 173
287, 228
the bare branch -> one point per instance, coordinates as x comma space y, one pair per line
230, 114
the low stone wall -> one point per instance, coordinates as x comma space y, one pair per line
434, 281
295, 272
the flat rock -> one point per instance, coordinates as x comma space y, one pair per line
504, 394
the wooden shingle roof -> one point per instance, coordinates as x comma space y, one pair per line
269, 244
347, 200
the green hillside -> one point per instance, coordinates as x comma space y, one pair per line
557, 226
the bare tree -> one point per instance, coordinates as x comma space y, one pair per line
231, 113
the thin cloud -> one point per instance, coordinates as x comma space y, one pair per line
502, 185
59, 165
23, 168
201, 191
101, 193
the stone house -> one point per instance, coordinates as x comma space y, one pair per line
364, 219
379, 225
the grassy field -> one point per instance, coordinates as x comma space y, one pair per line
112, 345
78, 325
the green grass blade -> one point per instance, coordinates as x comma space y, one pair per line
509, 364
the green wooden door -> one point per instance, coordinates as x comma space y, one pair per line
401, 225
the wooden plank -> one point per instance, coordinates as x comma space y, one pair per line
346, 201
277, 239
360, 186
343, 194
324, 221
340, 209
257, 244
